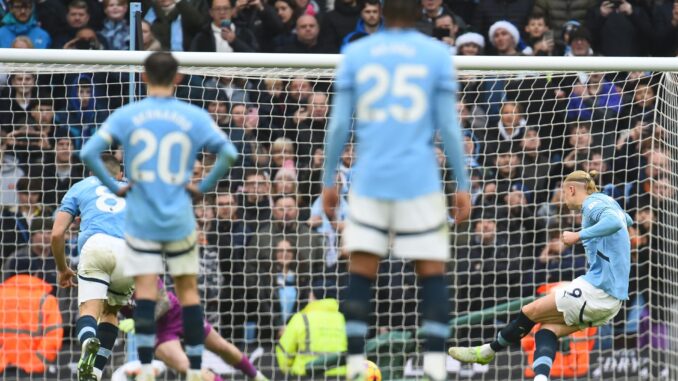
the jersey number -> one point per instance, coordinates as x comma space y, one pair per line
164, 151
400, 86
107, 202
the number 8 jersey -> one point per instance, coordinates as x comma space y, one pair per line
161, 138
100, 210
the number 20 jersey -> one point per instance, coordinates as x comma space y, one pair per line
100, 210
394, 77
161, 138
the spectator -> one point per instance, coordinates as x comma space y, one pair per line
309, 7
643, 104
10, 173
84, 111
50, 15
330, 229
78, 17
445, 29
175, 23
288, 13
535, 165
287, 288
150, 42
558, 262
260, 255
504, 37
28, 144
665, 21
22, 42
210, 277
59, 172
116, 29
307, 38
28, 304
338, 23
232, 238
489, 12
222, 35
509, 131
470, 44
283, 156
35, 255
580, 43
430, 11
371, 21
86, 39
261, 20
471, 116
507, 175
15, 100
559, 12
42, 118
318, 328
20, 21
217, 106
540, 38
256, 202
620, 28
593, 98
309, 126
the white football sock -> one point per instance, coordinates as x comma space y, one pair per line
355, 365
486, 350
434, 365
540, 377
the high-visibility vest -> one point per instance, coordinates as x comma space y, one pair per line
318, 329
573, 363
31, 332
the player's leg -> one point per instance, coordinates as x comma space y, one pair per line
542, 310
143, 261
86, 328
435, 303
172, 354
107, 332
366, 238
184, 264
546, 341
232, 355
421, 234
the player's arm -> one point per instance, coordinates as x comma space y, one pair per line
62, 222
445, 117
338, 133
609, 222
91, 156
225, 158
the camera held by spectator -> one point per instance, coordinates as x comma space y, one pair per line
85, 39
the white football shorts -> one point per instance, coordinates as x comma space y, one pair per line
100, 271
584, 305
414, 229
145, 257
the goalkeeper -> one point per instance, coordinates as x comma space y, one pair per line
589, 301
170, 331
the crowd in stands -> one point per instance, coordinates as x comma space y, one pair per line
497, 27
265, 241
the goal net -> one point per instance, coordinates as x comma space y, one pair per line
266, 246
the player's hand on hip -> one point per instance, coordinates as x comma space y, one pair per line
65, 278
122, 191
194, 191
461, 209
330, 200
570, 238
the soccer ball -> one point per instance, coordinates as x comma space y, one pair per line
373, 373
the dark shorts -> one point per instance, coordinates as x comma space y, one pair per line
170, 326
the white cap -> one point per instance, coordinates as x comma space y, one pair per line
503, 24
470, 38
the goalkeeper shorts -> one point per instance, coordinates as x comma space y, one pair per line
100, 271
144, 257
584, 305
414, 229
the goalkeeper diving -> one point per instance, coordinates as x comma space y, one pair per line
592, 299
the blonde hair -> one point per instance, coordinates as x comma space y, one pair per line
27, 41
586, 178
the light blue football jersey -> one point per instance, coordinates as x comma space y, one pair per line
395, 78
609, 256
161, 138
100, 210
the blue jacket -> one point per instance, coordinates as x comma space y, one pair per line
359, 32
12, 28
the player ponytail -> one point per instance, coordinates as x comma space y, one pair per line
586, 178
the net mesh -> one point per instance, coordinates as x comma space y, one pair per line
265, 244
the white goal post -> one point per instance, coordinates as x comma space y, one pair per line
527, 121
